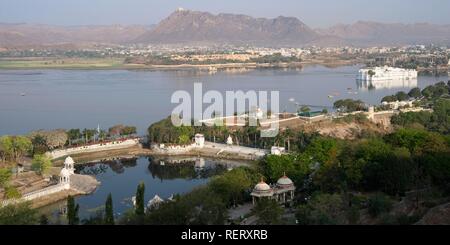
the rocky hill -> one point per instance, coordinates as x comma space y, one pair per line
185, 26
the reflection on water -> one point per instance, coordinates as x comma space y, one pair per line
120, 177
184, 169
386, 84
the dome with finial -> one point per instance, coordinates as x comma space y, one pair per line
69, 161
284, 181
262, 187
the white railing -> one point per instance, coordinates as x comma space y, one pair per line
38, 193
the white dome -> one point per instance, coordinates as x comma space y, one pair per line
64, 173
284, 181
262, 186
69, 160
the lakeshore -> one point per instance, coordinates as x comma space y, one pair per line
41, 193
119, 64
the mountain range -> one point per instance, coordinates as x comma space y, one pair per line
34, 35
195, 28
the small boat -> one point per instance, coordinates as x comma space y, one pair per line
330, 96
23, 94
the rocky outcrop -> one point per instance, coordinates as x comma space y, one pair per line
185, 26
439, 215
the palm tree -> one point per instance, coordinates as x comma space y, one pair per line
288, 134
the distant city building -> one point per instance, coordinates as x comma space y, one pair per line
397, 104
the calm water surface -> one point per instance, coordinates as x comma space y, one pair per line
120, 177
86, 98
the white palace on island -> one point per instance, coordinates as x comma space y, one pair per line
386, 73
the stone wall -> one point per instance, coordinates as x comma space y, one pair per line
113, 145
39, 193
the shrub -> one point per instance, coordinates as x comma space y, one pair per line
379, 204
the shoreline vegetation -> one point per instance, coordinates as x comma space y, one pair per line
121, 64
117, 65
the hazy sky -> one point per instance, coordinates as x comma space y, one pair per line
316, 13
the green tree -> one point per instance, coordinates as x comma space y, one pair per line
73, 135
201, 206
41, 164
402, 96
305, 109
379, 204
5, 177
349, 105
128, 130
12, 193
268, 212
109, 213
15, 147
294, 166
88, 134
389, 98
184, 139
18, 214
40, 145
232, 185
140, 206
322, 209
72, 211
415, 93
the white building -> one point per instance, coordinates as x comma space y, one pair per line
282, 192
397, 104
69, 164
276, 150
229, 140
155, 202
386, 74
199, 140
66, 172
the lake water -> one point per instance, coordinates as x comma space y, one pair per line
86, 98
162, 177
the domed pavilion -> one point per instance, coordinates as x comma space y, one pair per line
283, 191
